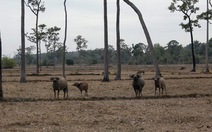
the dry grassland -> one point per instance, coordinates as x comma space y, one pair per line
110, 106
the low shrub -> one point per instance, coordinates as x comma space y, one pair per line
8, 63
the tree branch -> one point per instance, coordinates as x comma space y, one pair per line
210, 3
27, 4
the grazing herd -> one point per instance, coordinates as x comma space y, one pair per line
60, 83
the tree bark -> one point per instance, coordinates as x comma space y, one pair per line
207, 41
157, 70
1, 89
37, 45
23, 65
192, 47
106, 73
118, 74
64, 42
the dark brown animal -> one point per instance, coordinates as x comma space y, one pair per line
138, 84
160, 84
82, 87
59, 83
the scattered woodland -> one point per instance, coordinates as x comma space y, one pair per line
99, 84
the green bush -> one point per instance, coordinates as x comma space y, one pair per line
69, 62
8, 63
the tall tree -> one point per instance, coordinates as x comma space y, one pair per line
28, 54
187, 7
81, 44
36, 6
146, 32
126, 54
1, 89
118, 74
138, 52
206, 16
23, 65
65, 36
39, 36
159, 53
173, 52
106, 62
207, 41
52, 43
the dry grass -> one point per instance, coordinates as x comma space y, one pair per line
110, 106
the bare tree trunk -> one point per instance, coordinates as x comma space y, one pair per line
118, 74
192, 47
40, 56
23, 65
157, 70
106, 73
54, 55
1, 89
37, 45
207, 41
64, 42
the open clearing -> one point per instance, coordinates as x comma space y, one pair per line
110, 106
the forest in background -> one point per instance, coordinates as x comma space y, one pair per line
136, 54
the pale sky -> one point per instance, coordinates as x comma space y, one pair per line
85, 17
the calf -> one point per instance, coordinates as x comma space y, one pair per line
82, 87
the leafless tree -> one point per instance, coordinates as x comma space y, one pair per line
64, 42
157, 69
118, 74
207, 41
1, 91
23, 66
106, 72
